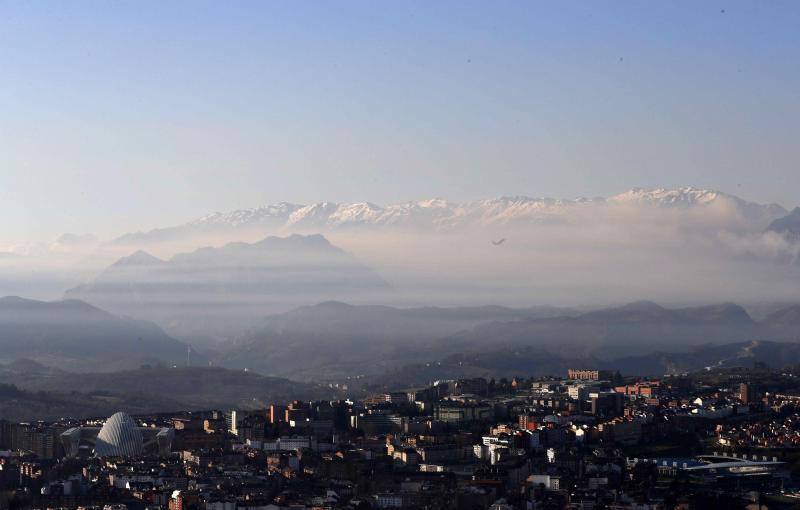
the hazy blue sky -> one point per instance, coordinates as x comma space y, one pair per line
128, 115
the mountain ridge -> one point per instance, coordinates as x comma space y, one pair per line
439, 214
221, 290
787, 226
382, 336
75, 335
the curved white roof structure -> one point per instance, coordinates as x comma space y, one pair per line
119, 437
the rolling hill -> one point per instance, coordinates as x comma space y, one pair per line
79, 337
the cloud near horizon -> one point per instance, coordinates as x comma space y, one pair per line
592, 252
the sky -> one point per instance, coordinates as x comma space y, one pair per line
124, 116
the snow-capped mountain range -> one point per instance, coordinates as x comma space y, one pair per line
439, 214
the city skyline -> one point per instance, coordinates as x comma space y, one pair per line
359, 255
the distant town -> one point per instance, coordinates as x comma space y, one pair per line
589, 439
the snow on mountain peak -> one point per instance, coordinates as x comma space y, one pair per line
433, 203
313, 214
438, 213
362, 212
279, 211
686, 196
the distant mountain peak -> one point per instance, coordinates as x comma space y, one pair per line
280, 210
138, 258
723, 311
789, 315
10, 303
788, 226
440, 214
683, 196
299, 242
76, 335
221, 290
16, 301
331, 305
437, 202
316, 240
642, 305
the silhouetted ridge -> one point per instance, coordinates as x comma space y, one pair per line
788, 226
77, 336
138, 258
789, 316
223, 291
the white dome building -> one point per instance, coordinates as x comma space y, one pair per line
119, 437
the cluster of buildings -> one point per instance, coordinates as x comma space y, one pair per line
589, 440
782, 431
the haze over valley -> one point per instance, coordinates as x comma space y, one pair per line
707, 246
347, 295
431, 278
365, 198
